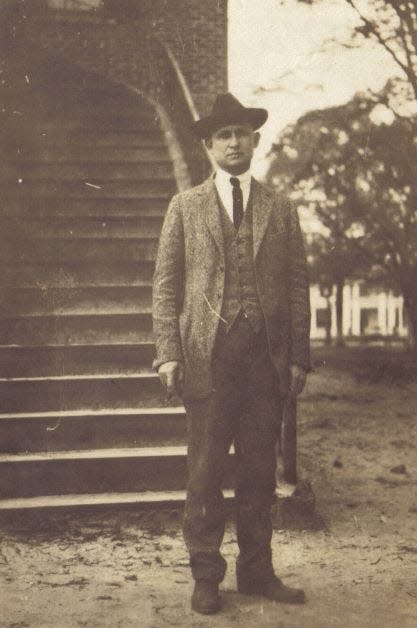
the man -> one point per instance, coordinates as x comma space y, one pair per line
231, 321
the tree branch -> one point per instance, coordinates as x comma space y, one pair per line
375, 32
404, 12
406, 33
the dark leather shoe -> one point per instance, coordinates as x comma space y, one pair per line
205, 598
273, 589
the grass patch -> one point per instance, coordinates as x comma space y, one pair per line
371, 364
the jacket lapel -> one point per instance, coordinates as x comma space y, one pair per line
211, 211
262, 204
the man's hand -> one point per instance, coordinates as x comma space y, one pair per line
298, 380
171, 375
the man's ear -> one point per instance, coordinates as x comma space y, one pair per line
256, 138
208, 142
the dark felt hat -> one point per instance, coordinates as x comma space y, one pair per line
228, 110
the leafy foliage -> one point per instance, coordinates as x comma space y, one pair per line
358, 175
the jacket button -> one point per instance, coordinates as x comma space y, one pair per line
221, 269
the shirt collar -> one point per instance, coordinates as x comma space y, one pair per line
223, 177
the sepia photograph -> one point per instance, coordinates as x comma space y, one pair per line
208, 313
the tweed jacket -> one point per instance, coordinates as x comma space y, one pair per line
189, 283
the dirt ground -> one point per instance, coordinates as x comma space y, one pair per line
357, 445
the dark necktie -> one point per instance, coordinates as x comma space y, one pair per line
237, 202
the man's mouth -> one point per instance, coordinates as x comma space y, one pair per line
235, 154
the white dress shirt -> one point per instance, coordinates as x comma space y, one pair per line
224, 189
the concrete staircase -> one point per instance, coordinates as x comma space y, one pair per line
83, 420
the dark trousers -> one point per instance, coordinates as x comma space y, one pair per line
244, 408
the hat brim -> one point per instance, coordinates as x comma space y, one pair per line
256, 117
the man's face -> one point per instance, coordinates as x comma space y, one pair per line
232, 147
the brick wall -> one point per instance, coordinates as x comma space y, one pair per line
195, 31
122, 41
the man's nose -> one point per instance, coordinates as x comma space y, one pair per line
234, 139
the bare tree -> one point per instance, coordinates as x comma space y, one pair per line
393, 24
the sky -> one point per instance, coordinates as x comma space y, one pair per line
283, 58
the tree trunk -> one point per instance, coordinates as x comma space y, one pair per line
339, 310
411, 305
328, 322
408, 289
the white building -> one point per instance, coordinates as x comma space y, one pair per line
367, 311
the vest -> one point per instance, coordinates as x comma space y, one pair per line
240, 292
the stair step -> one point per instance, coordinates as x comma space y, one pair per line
83, 359
56, 225
76, 329
41, 226
73, 109
96, 188
100, 429
70, 112
56, 394
94, 122
109, 98
148, 205
144, 500
88, 300
71, 81
82, 417
77, 104
88, 249
104, 273
70, 171
85, 137
107, 155
96, 471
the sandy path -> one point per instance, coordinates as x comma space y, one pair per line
129, 569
